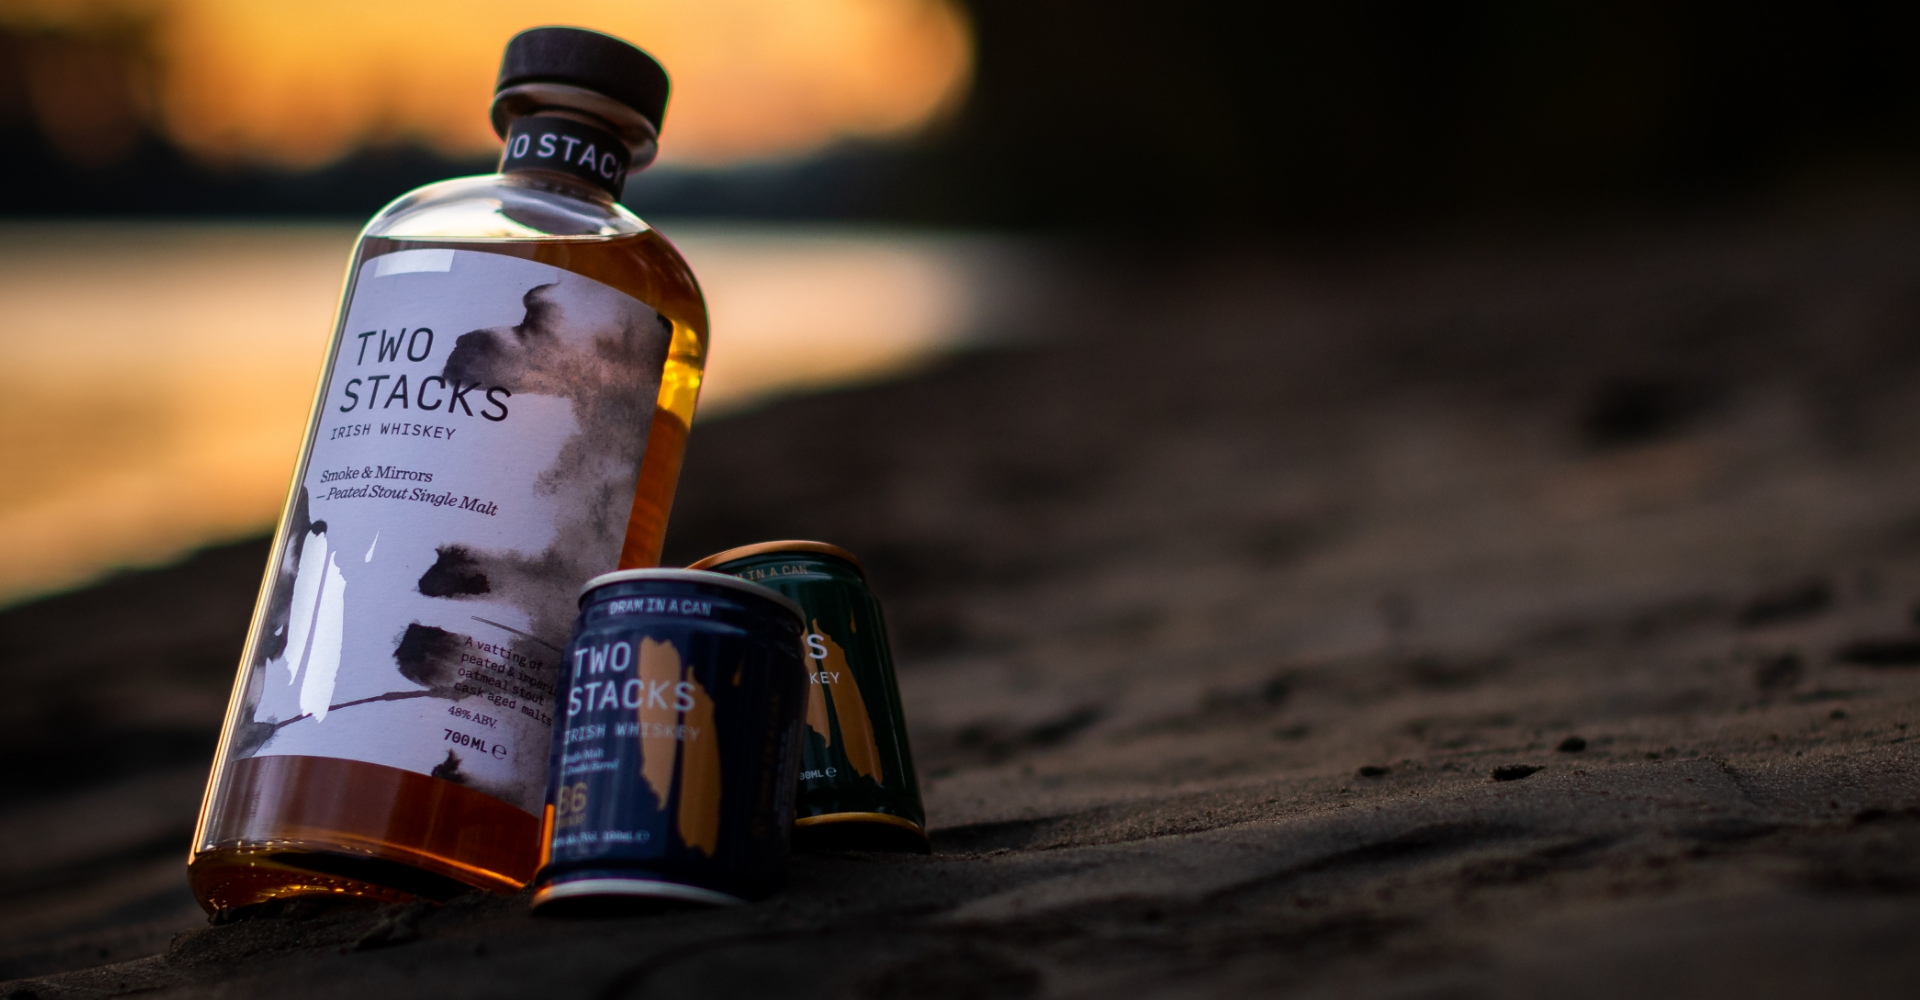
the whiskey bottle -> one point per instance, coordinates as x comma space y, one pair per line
501, 416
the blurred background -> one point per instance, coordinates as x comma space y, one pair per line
191, 176
861, 184
1186, 359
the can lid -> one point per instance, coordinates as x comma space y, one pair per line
692, 576
789, 545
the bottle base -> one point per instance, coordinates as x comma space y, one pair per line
302, 826
236, 877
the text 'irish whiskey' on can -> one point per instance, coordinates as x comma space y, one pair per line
673, 766
858, 790
501, 415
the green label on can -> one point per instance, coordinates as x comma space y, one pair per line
856, 757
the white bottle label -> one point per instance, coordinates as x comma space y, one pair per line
480, 436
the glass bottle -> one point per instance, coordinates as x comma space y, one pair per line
501, 416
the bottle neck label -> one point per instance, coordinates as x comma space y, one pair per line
563, 145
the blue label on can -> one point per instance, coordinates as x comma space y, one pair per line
677, 756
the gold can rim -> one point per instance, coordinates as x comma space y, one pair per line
888, 819
785, 545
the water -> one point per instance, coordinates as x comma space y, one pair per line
155, 379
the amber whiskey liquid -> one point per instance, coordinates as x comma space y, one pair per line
297, 825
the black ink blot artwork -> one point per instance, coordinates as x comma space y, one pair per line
430, 657
601, 361
594, 474
455, 573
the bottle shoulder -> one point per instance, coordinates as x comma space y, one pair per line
548, 224
501, 207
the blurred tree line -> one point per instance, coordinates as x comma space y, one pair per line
78, 119
1203, 115
1247, 115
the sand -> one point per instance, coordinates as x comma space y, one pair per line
1525, 617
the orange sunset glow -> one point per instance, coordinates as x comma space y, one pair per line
299, 84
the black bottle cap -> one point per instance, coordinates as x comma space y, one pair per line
600, 63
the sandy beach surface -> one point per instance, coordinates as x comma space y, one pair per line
1532, 617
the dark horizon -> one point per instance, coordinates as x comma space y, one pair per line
1203, 118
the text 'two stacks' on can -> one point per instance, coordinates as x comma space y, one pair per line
673, 767
857, 786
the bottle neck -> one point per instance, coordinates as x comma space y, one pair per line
570, 144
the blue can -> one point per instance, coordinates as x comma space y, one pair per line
674, 767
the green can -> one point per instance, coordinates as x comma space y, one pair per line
857, 786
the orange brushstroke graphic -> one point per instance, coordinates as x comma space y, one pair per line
659, 665
856, 729
817, 712
700, 777
677, 734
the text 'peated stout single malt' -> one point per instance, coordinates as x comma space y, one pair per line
501, 416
